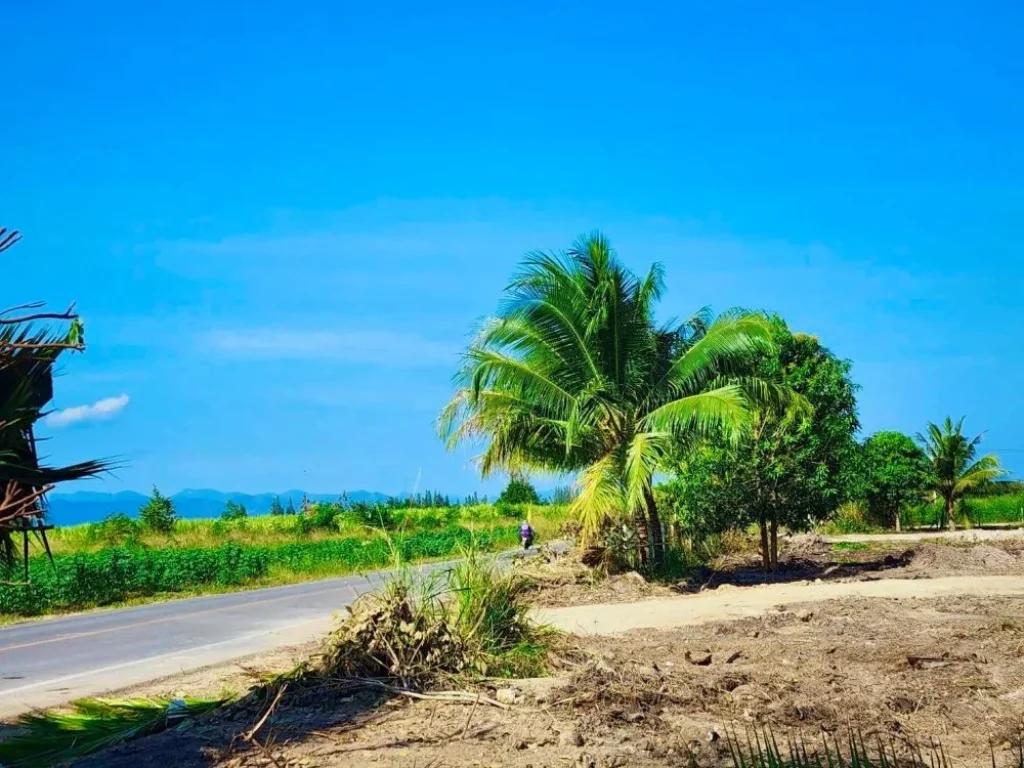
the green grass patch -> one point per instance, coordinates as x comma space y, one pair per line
850, 546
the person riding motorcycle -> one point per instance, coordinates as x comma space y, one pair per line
526, 534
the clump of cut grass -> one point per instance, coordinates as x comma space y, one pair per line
51, 738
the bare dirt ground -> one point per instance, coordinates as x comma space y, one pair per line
948, 667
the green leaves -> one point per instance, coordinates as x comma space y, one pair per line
954, 466
49, 738
573, 375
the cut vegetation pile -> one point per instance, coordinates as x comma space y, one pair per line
397, 636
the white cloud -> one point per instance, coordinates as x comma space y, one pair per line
101, 409
380, 347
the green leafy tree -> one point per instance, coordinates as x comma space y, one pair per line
895, 474
791, 469
954, 466
519, 491
290, 510
158, 513
574, 375
275, 506
234, 511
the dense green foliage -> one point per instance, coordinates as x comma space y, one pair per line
895, 474
954, 466
519, 491
116, 574
158, 513
574, 375
233, 511
791, 469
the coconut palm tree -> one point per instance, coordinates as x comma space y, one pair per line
954, 467
573, 375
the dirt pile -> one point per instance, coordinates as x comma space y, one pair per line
559, 579
938, 558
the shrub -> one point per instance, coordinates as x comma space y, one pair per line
116, 528
233, 511
851, 517
158, 513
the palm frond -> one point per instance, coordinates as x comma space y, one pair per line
50, 738
725, 410
601, 495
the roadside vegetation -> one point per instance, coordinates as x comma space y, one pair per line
127, 559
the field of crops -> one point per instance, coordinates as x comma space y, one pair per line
121, 560
116, 574
977, 511
324, 522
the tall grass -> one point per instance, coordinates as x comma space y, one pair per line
760, 749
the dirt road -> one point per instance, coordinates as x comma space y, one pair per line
976, 534
736, 603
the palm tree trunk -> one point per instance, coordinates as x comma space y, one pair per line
950, 522
643, 538
657, 534
897, 519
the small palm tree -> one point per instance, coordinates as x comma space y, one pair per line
573, 375
955, 470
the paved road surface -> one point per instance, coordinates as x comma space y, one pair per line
48, 662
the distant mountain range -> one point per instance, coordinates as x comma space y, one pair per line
90, 506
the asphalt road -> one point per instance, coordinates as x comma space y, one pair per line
48, 662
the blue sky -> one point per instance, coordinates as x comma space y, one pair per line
280, 223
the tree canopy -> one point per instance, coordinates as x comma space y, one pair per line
575, 375
790, 469
895, 474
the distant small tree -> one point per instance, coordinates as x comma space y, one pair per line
519, 491
275, 506
233, 511
895, 474
291, 507
158, 513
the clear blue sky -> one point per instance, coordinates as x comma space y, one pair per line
281, 220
